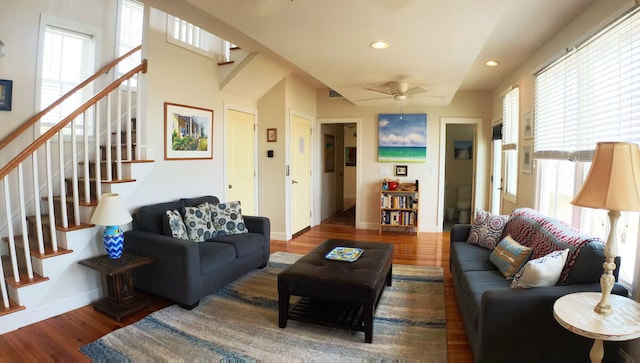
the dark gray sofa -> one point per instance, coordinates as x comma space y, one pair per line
185, 271
505, 324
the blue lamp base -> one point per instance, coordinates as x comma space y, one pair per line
113, 241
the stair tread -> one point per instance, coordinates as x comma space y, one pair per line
69, 198
123, 161
225, 63
33, 248
72, 227
13, 307
25, 280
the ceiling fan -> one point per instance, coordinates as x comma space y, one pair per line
398, 91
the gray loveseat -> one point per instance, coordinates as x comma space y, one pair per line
506, 324
185, 271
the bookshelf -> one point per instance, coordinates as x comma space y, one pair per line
399, 207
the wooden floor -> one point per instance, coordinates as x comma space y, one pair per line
58, 338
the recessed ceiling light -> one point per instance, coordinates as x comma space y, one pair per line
379, 45
491, 63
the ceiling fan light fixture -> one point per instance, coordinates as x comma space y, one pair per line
379, 44
491, 63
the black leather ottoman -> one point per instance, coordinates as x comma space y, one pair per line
336, 293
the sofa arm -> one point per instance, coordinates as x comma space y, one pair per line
460, 233
175, 273
511, 319
261, 225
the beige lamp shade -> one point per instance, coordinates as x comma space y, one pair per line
613, 182
110, 211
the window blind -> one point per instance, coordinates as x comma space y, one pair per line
510, 117
590, 95
130, 34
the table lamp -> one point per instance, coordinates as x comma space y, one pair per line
613, 183
111, 213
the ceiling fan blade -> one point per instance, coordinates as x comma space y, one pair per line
375, 98
378, 91
416, 90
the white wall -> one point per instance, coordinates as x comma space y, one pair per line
465, 104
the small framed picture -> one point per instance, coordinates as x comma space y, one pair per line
401, 170
272, 135
6, 87
528, 125
527, 159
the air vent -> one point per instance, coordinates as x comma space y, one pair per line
334, 94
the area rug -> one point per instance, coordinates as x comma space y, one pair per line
240, 323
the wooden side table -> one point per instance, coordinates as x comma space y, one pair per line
121, 300
575, 313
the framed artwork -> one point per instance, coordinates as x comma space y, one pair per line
463, 150
402, 137
188, 132
401, 170
527, 159
528, 125
6, 88
272, 135
329, 153
350, 156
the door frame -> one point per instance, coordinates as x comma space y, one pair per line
477, 135
287, 179
316, 199
226, 107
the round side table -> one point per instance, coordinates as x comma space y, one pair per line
575, 313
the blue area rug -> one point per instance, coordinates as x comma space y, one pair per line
240, 323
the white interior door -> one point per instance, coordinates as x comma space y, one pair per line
240, 162
300, 170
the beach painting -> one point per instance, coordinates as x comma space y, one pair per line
402, 137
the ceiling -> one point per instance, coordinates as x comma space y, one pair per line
439, 45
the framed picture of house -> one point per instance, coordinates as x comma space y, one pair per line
188, 132
329, 153
402, 137
350, 156
6, 87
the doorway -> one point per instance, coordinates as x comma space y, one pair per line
240, 159
336, 193
339, 183
300, 187
459, 143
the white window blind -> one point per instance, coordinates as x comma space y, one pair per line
590, 95
510, 117
67, 59
130, 34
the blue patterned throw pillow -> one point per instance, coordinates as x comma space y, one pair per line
227, 218
176, 225
509, 256
198, 222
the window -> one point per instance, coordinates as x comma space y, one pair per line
129, 35
189, 36
589, 95
67, 59
510, 117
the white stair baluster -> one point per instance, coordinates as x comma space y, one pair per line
85, 169
3, 288
12, 241
63, 189
52, 214
128, 122
97, 170
36, 202
74, 173
23, 223
108, 143
119, 139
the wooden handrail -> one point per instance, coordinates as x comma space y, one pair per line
22, 156
26, 125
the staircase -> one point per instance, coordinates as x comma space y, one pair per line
49, 191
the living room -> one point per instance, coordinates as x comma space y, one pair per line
180, 76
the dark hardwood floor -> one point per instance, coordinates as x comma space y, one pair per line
58, 338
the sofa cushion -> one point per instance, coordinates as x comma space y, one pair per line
150, 218
486, 229
227, 218
587, 265
466, 257
244, 244
541, 272
214, 255
509, 256
198, 222
174, 225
